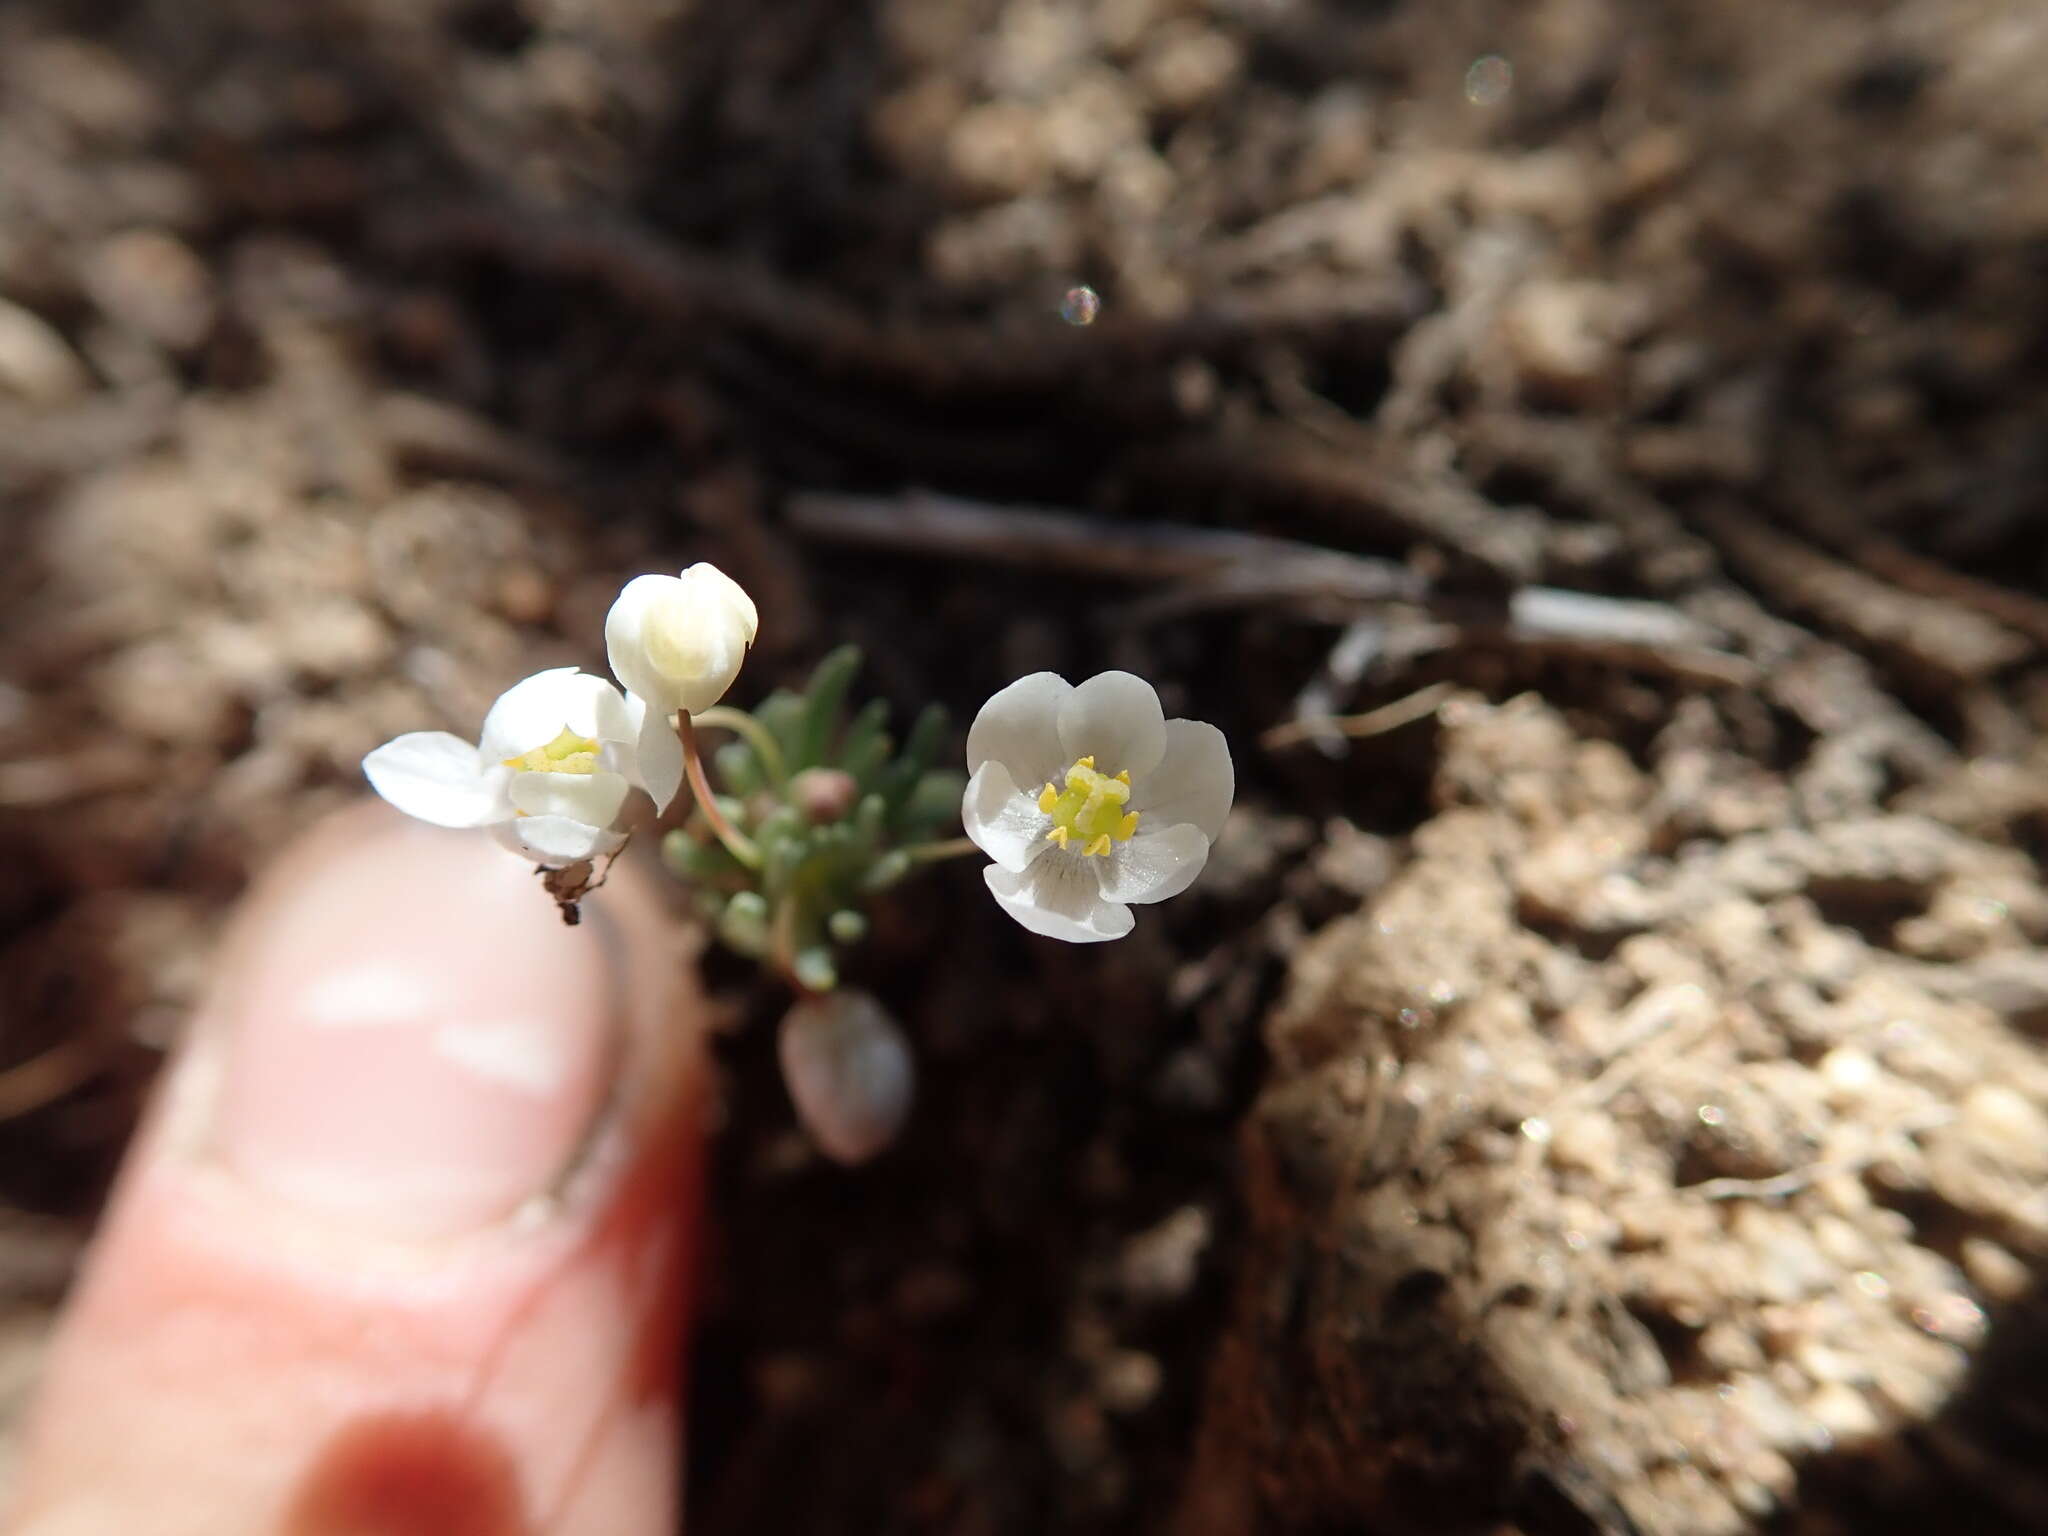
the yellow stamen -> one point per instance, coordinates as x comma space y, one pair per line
567, 753
1090, 806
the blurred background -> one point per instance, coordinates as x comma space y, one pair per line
1589, 455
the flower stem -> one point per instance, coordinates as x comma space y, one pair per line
931, 853
782, 942
756, 735
737, 843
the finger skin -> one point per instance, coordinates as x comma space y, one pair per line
232, 1363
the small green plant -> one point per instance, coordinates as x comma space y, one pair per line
814, 810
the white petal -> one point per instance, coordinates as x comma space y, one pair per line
1004, 821
849, 1072
556, 840
533, 712
591, 798
1194, 782
438, 778
1153, 865
1058, 897
657, 753
1019, 728
1115, 718
622, 628
709, 585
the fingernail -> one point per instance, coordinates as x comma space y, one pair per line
416, 1044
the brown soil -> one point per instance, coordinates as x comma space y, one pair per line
1609, 1096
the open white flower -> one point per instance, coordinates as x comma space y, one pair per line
559, 754
1089, 800
678, 641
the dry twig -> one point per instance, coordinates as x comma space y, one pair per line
1154, 552
1206, 567
1374, 722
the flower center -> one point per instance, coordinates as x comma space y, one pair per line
1090, 807
567, 753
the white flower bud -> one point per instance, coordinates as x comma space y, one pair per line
849, 1073
678, 641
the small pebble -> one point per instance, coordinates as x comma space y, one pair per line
1995, 1271
1844, 1412
36, 363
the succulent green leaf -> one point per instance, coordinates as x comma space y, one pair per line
887, 870
744, 924
814, 968
866, 745
823, 700
739, 770
782, 713
935, 799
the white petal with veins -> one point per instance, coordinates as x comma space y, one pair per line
1003, 820
1153, 865
1113, 717
1058, 897
1019, 728
438, 778
1194, 781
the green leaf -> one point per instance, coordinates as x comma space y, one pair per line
696, 862
926, 737
823, 700
744, 924
782, 712
869, 818
866, 745
739, 770
935, 800
887, 870
814, 968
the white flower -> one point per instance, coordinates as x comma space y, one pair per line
559, 754
678, 641
1088, 800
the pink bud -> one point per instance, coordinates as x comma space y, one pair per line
849, 1073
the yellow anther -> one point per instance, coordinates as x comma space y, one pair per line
567, 753
1089, 805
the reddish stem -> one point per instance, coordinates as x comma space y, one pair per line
737, 843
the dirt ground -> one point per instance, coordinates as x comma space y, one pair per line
1603, 1092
